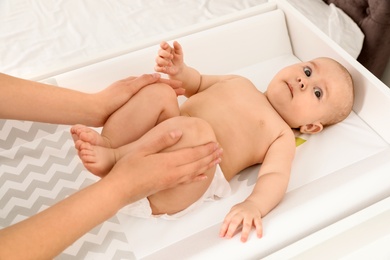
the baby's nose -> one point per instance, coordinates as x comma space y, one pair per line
301, 83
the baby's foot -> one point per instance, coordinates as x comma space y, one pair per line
97, 159
86, 134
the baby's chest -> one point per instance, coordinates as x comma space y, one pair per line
264, 132
254, 135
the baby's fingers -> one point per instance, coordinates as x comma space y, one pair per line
230, 227
246, 228
162, 62
177, 48
224, 228
165, 46
259, 227
165, 54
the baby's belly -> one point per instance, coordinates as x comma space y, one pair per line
239, 138
231, 164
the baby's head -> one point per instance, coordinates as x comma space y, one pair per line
313, 94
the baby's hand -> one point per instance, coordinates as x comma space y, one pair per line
243, 215
169, 60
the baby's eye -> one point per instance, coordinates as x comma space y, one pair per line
307, 71
318, 92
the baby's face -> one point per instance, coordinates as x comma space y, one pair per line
305, 93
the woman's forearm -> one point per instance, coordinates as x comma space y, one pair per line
34, 101
48, 233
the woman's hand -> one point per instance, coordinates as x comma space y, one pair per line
117, 94
146, 170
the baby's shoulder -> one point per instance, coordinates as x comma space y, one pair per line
239, 83
276, 124
241, 79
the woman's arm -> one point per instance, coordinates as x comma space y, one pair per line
48, 233
34, 101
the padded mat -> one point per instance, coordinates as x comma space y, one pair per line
39, 166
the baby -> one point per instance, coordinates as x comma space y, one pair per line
252, 127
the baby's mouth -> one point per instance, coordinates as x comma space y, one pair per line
290, 88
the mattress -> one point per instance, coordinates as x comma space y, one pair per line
332, 175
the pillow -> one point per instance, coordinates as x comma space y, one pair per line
334, 22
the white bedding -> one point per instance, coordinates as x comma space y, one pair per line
41, 36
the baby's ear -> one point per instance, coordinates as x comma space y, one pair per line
311, 128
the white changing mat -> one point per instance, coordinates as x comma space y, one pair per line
196, 234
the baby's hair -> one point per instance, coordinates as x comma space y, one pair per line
341, 111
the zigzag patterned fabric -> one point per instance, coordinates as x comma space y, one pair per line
39, 167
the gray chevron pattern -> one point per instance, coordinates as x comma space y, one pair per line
13, 132
39, 167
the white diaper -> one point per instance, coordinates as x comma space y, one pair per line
218, 188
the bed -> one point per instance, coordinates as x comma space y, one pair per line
39, 165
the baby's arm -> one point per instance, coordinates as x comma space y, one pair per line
269, 190
170, 60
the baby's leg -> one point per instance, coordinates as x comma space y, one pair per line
195, 132
150, 106
98, 160
86, 134
97, 156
